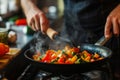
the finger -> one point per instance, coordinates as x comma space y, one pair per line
43, 27
30, 18
108, 27
37, 22
33, 26
44, 24
115, 27
29, 22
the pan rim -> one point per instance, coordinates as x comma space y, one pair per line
91, 45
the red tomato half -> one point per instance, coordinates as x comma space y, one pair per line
3, 49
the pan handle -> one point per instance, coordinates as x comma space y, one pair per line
102, 41
51, 33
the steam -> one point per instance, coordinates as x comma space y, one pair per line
43, 42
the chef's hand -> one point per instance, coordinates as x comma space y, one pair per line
37, 20
113, 23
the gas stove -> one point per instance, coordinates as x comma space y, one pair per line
22, 69
31, 72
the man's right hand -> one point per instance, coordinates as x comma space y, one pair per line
37, 20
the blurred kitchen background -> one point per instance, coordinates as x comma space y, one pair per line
11, 13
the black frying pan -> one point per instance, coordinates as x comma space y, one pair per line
75, 68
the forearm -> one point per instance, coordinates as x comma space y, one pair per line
27, 5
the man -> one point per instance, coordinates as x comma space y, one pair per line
85, 22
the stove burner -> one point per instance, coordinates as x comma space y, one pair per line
67, 76
74, 77
42, 75
34, 73
47, 76
93, 75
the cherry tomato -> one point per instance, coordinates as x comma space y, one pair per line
21, 22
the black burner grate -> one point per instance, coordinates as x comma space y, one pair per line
33, 73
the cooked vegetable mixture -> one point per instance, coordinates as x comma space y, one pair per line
67, 56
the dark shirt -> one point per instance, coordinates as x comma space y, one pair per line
86, 18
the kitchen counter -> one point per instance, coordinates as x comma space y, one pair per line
22, 40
